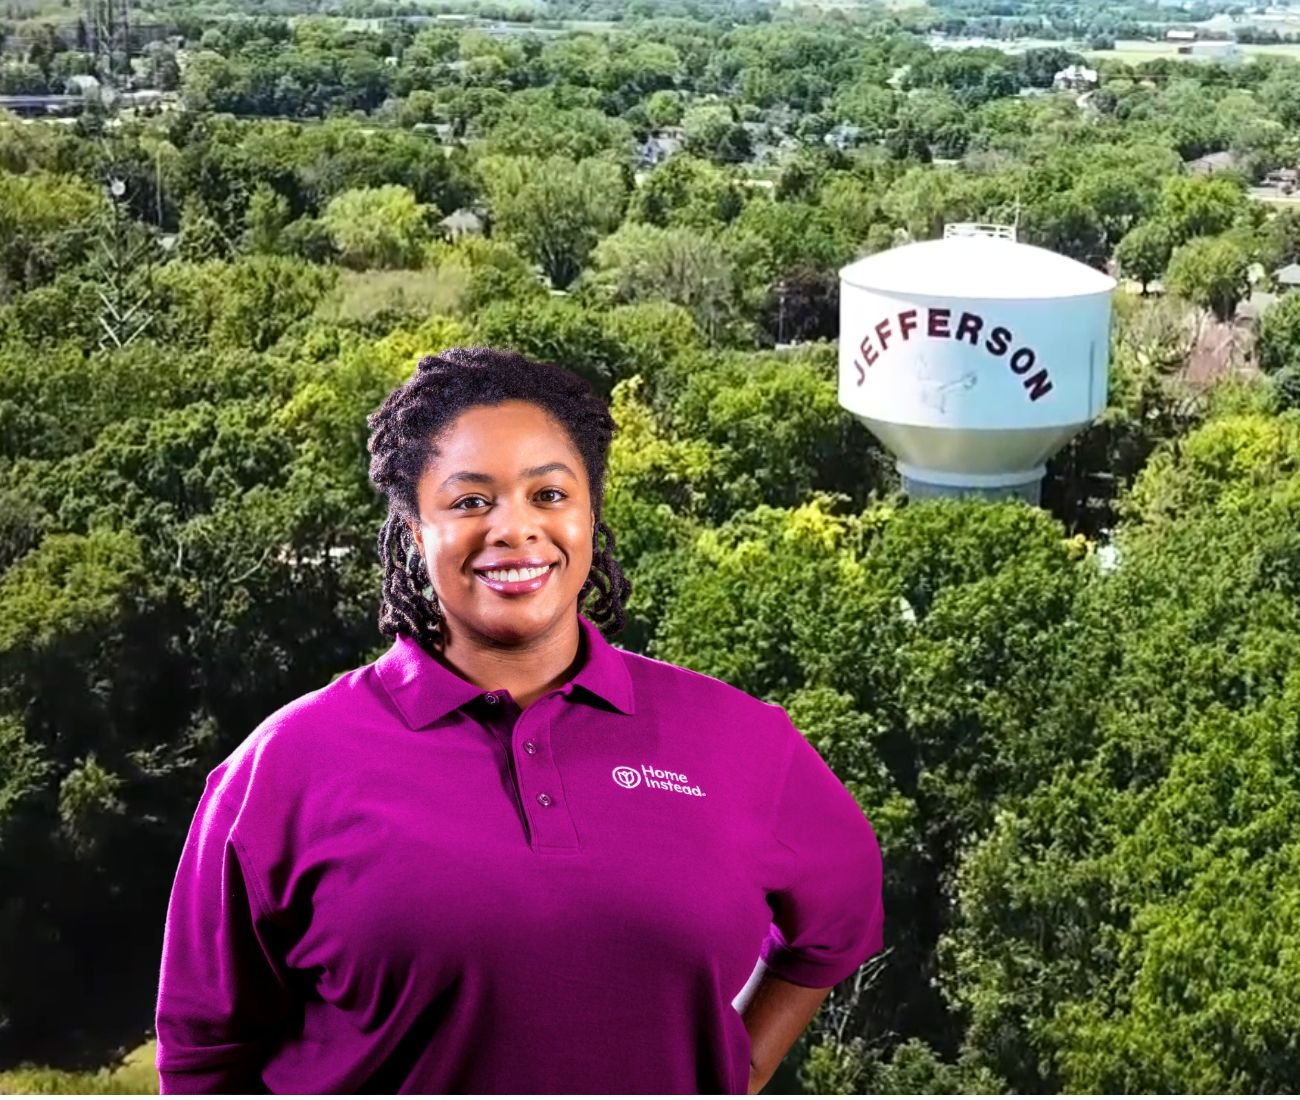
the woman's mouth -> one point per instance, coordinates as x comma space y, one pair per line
523, 584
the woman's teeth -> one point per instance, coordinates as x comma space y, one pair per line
515, 574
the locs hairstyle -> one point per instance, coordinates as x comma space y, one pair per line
404, 433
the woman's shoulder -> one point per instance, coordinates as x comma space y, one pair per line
302, 731
658, 679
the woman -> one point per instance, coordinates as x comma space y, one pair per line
508, 856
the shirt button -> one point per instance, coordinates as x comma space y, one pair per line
529, 748
544, 799
490, 698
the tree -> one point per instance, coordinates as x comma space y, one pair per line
201, 236
1041, 65
1119, 197
1211, 272
554, 210
47, 225
1281, 239
1277, 340
682, 266
1144, 252
530, 126
378, 227
804, 304
1067, 224
1161, 849
267, 215
1200, 206
707, 127
687, 191
664, 108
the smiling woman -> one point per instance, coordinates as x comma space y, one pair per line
445, 871
488, 455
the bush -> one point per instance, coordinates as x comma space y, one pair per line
136, 1076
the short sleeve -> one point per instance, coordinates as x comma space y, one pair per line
827, 906
221, 999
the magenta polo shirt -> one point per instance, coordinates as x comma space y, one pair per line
403, 883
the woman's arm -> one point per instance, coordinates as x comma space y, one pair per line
776, 1013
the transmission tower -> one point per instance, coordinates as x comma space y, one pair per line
123, 265
108, 23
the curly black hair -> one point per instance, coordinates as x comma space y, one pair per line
404, 433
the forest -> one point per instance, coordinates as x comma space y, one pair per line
1074, 728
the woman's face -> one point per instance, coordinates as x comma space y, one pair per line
507, 486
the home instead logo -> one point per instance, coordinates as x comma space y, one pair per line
657, 778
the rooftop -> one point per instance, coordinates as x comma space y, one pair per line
975, 267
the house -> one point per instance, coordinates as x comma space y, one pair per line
1288, 277
1250, 309
843, 136
782, 117
1075, 78
1180, 36
82, 84
445, 132
656, 149
1222, 161
462, 223
1225, 53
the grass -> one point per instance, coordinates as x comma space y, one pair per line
1133, 51
363, 296
135, 1076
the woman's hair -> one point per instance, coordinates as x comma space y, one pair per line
405, 430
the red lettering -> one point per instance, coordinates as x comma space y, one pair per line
938, 325
999, 340
869, 353
882, 334
1038, 385
1023, 360
971, 324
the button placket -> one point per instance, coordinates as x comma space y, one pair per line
540, 787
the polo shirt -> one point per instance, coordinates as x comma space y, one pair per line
403, 883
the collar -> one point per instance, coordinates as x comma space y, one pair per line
425, 690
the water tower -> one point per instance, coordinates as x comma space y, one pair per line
973, 358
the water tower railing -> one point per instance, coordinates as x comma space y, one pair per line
979, 229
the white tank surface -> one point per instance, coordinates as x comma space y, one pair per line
974, 358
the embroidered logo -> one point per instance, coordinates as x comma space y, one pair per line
657, 778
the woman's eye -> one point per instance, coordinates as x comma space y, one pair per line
468, 502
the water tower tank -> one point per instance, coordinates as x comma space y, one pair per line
973, 358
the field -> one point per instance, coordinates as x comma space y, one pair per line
1133, 50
